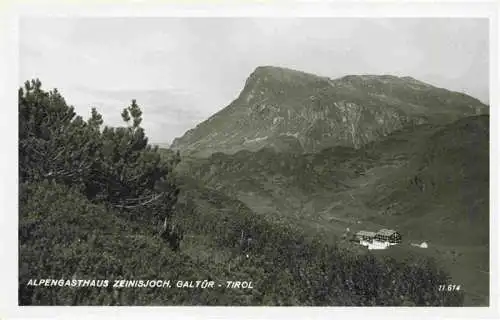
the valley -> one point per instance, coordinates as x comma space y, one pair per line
279, 212
427, 179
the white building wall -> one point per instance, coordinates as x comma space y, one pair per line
377, 245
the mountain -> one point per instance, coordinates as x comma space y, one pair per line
293, 111
233, 249
390, 181
430, 182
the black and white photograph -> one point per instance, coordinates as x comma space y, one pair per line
253, 161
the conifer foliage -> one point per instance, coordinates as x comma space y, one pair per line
115, 166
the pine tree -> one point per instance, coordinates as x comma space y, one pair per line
114, 165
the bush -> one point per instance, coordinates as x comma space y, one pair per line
115, 166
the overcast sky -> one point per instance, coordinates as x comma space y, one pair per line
182, 70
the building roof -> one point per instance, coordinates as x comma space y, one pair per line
386, 232
366, 233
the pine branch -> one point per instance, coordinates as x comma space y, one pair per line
139, 204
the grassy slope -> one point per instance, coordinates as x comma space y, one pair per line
449, 204
424, 181
69, 237
62, 235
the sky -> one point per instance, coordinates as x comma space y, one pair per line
183, 70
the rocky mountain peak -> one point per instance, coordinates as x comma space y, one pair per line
281, 74
276, 80
295, 111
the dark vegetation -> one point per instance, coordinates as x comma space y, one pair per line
436, 175
443, 189
429, 181
101, 203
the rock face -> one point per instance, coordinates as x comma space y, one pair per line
297, 112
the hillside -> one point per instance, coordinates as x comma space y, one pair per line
447, 183
285, 268
387, 178
98, 204
429, 181
293, 111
